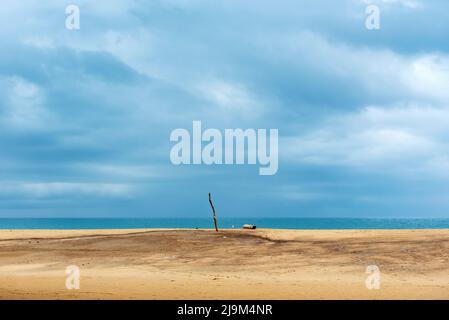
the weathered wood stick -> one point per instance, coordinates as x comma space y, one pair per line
215, 216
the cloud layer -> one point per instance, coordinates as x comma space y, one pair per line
86, 115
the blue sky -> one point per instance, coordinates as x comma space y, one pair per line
86, 115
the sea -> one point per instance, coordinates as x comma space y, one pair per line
228, 223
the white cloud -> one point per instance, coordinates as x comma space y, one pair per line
428, 77
42, 42
52, 189
379, 73
397, 139
410, 4
227, 95
23, 104
134, 172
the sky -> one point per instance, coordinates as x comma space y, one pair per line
362, 115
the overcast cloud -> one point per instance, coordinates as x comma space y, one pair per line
86, 115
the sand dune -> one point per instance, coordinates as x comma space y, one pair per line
230, 264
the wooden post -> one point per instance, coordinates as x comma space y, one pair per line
213, 210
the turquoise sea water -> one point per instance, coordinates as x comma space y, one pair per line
276, 223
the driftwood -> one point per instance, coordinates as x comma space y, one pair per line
213, 210
249, 226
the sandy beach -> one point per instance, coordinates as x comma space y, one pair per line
230, 264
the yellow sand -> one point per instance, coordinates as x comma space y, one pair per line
231, 264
